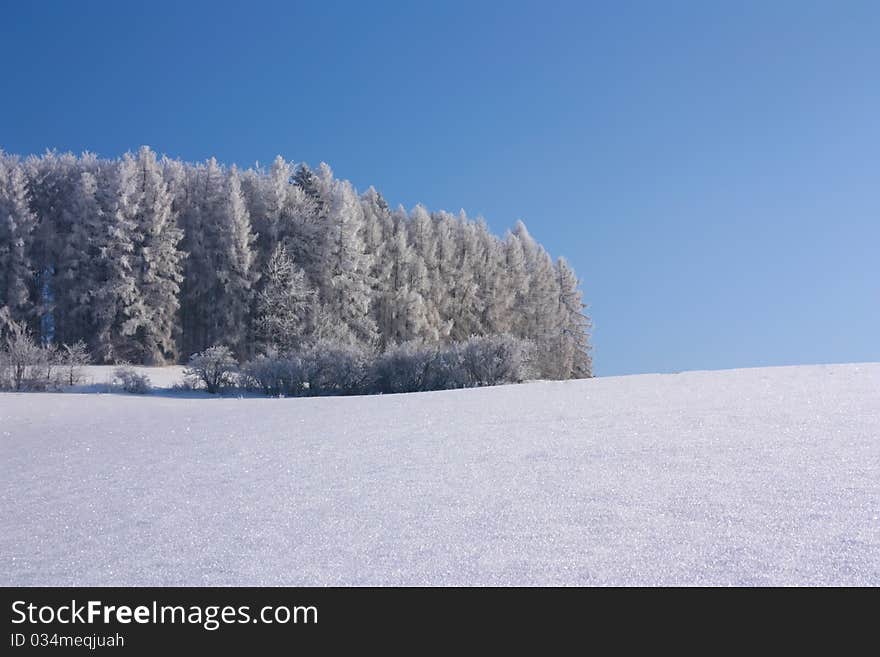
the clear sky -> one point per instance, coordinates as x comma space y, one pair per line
711, 169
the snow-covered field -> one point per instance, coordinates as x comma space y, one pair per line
99, 378
758, 476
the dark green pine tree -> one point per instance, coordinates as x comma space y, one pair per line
306, 180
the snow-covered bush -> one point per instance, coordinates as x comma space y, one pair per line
407, 367
25, 365
334, 369
490, 360
479, 361
324, 368
130, 380
274, 375
72, 359
50, 377
447, 372
215, 367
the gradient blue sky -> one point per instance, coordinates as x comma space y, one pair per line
711, 169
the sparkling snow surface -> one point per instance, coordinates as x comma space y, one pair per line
759, 476
98, 378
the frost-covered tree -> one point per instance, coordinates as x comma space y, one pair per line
573, 327
402, 311
424, 280
343, 279
219, 267
68, 223
305, 235
159, 258
22, 360
443, 289
516, 290
51, 179
153, 264
537, 309
215, 368
377, 223
73, 358
392, 290
275, 203
271, 199
114, 298
150, 261
494, 291
235, 268
17, 225
78, 270
284, 304
312, 187
466, 307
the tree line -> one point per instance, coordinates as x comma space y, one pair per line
151, 260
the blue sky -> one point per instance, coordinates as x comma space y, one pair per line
711, 170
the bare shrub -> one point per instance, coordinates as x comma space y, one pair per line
214, 367
332, 368
274, 375
495, 359
130, 380
407, 367
25, 365
72, 359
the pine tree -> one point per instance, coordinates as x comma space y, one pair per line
78, 271
417, 318
268, 198
424, 278
240, 276
573, 329
516, 289
377, 222
310, 184
466, 308
160, 260
284, 304
151, 261
537, 307
343, 283
444, 287
186, 185
220, 263
124, 220
115, 296
17, 224
391, 290
494, 291
51, 180
275, 196
305, 233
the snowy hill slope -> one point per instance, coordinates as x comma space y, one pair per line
759, 476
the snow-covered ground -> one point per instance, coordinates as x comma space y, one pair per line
758, 476
99, 378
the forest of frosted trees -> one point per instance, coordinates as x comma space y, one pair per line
150, 260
